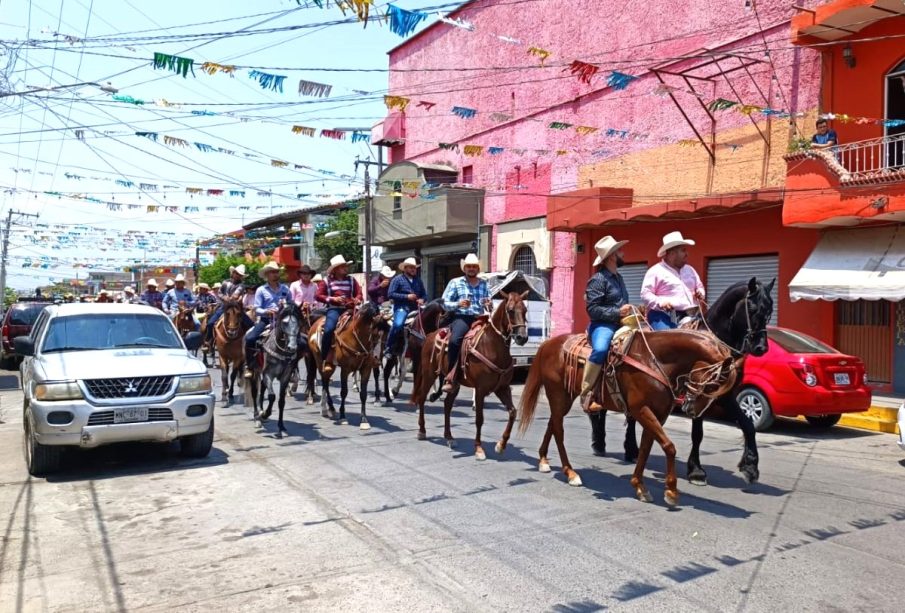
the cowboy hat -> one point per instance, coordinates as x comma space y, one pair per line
338, 260
673, 239
203, 286
151, 283
408, 262
270, 266
304, 269
179, 277
387, 272
128, 290
103, 292
317, 278
170, 283
470, 260
216, 286
606, 247
239, 270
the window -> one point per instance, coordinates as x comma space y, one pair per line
798, 342
397, 200
109, 331
523, 260
468, 175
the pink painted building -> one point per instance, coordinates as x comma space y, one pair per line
562, 162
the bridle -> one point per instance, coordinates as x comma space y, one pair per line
232, 332
750, 332
508, 326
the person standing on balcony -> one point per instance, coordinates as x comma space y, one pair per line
824, 138
671, 288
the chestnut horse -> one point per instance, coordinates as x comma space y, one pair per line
207, 349
184, 319
353, 348
658, 367
229, 339
486, 367
309, 316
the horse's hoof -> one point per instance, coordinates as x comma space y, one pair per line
644, 496
479, 454
451, 443
631, 456
599, 450
671, 498
697, 477
310, 402
325, 414
422, 436
331, 414
499, 448
258, 424
279, 434
543, 466
749, 471
364, 426
343, 422
575, 480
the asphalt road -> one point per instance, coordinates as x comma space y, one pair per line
330, 519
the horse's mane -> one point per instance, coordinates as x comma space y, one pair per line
725, 304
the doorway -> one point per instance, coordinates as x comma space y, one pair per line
864, 329
895, 109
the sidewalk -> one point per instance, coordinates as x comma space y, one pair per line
880, 417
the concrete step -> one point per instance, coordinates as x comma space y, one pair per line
876, 419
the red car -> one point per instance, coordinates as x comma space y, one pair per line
800, 375
17, 321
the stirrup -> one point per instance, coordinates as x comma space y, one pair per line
591, 406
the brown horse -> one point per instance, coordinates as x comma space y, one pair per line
486, 366
207, 349
184, 319
309, 316
353, 348
658, 367
229, 339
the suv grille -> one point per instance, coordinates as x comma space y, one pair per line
103, 418
134, 387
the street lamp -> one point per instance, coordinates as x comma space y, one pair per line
338, 233
107, 87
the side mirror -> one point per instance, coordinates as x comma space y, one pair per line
24, 346
193, 341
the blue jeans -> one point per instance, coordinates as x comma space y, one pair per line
660, 320
399, 315
601, 335
458, 328
255, 333
330, 321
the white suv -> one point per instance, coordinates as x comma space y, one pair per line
105, 373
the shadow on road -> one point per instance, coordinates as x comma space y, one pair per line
804, 430
9, 382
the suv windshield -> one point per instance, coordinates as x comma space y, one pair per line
26, 314
796, 342
109, 331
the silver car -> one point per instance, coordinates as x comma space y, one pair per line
902, 426
94, 374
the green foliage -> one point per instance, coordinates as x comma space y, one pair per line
218, 270
10, 297
346, 244
797, 145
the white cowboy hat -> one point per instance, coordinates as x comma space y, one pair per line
103, 292
470, 260
203, 286
170, 283
129, 289
239, 270
338, 260
408, 262
152, 283
317, 278
217, 285
387, 272
673, 239
179, 277
270, 266
605, 247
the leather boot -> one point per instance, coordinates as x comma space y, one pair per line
591, 374
250, 357
450, 382
328, 366
598, 433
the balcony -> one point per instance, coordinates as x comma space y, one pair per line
447, 213
876, 160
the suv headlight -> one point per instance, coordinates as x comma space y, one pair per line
194, 385
63, 390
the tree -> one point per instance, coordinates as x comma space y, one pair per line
346, 244
218, 270
10, 297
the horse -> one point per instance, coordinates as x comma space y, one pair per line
229, 339
304, 353
406, 355
739, 319
486, 366
381, 330
353, 350
275, 364
184, 320
655, 369
207, 349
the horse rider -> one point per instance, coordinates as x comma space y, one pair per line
104, 296
269, 299
170, 284
151, 296
606, 301
465, 298
671, 288
338, 291
304, 291
178, 294
205, 298
379, 286
232, 288
129, 296
407, 293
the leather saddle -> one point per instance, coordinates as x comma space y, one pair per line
606, 391
471, 338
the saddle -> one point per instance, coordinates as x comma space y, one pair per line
606, 391
469, 342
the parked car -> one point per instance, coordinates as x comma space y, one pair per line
902, 426
800, 375
17, 321
95, 374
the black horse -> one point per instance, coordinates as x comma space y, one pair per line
739, 319
279, 352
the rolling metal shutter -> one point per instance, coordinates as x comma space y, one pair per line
724, 272
633, 275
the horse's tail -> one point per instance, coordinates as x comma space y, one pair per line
530, 394
422, 384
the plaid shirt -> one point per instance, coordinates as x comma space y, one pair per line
459, 289
155, 299
205, 300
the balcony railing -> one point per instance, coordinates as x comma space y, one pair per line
876, 159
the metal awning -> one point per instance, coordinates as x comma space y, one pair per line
866, 264
842, 18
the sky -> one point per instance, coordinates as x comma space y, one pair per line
40, 145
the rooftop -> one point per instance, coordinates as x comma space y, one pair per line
291, 216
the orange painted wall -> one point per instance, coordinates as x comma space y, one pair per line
753, 233
860, 91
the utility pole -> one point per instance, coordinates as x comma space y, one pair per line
369, 206
5, 250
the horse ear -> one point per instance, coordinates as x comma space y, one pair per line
524, 294
752, 285
769, 288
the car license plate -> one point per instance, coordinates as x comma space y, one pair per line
132, 414
842, 378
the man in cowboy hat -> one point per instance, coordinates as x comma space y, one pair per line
205, 297
465, 298
232, 288
170, 284
304, 291
129, 296
671, 289
178, 294
606, 301
151, 296
269, 299
338, 291
407, 293
378, 287
103, 296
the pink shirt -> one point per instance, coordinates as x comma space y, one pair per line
663, 284
302, 294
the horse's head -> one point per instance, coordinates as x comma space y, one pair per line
755, 311
514, 317
287, 324
232, 318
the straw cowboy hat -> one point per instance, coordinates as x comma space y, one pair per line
204, 286
270, 266
673, 239
151, 283
317, 278
606, 247
179, 277
239, 270
128, 290
103, 292
217, 286
387, 272
408, 262
470, 260
338, 260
